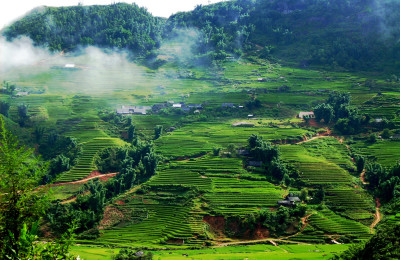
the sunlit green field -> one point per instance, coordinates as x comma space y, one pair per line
233, 252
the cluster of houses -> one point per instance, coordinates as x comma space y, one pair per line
143, 110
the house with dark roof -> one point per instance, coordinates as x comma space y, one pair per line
289, 201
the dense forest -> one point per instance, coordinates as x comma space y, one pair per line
339, 34
120, 26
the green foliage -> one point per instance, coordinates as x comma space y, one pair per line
216, 151
85, 212
385, 244
129, 254
158, 131
280, 220
20, 205
44, 250
386, 134
124, 26
4, 108
325, 112
131, 132
261, 150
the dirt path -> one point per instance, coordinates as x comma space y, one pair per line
304, 221
270, 240
92, 176
362, 177
377, 216
311, 139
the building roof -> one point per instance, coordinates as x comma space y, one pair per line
308, 114
177, 105
22, 94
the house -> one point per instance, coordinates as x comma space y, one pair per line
140, 110
250, 116
378, 120
21, 94
178, 105
123, 111
395, 136
69, 66
255, 163
136, 110
290, 200
306, 115
261, 79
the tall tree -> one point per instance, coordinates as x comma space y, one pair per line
20, 205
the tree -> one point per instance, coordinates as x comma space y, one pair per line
4, 108
157, 131
324, 111
372, 138
360, 162
131, 132
304, 194
23, 114
20, 205
386, 134
383, 245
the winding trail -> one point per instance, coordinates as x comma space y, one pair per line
377, 216
362, 177
92, 176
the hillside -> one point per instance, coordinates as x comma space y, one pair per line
247, 129
119, 25
341, 34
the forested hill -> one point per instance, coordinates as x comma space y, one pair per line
351, 34
354, 34
119, 25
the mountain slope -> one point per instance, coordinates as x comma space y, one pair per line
120, 25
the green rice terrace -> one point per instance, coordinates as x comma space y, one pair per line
269, 151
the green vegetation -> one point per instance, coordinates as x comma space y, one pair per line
202, 144
94, 25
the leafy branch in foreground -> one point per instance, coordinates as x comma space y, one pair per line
21, 201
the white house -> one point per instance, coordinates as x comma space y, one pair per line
306, 114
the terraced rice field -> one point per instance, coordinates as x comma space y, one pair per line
329, 222
161, 224
348, 198
85, 164
202, 137
314, 170
385, 152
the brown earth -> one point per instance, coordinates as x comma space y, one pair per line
377, 215
111, 217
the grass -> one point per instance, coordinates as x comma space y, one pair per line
385, 152
314, 169
331, 223
212, 185
232, 252
201, 137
